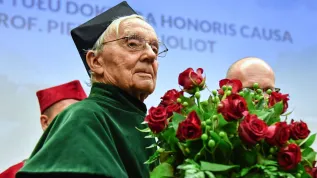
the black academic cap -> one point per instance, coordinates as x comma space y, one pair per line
86, 35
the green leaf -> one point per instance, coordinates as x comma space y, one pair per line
190, 161
177, 118
208, 106
207, 115
271, 119
222, 121
245, 171
244, 157
215, 136
187, 166
260, 105
189, 100
206, 166
263, 114
309, 155
210, 102
149, 136
152, 146
272, 168
308, 142
190, 173
305, 174
231, 128
169, 136
278, 108
163, 170
224, 150
288, 113
153, 158
267, 162
144, 130
199, 174
210, 174
182, 148
248, 98
197, 110
167, 156
250, 156
254, 175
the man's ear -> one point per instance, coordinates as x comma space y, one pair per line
94, 62
44, 121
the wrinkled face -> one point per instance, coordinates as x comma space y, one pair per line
132, 70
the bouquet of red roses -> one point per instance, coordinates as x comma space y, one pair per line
236, 132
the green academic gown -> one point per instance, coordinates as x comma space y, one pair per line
96, 137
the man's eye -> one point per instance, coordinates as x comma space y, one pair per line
134, 42
155, 49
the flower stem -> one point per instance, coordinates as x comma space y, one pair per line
262, 149
286, 118
199, 153
225, 95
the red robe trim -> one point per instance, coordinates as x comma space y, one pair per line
11, 171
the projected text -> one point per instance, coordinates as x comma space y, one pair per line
208, 31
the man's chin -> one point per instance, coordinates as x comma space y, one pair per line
145, 86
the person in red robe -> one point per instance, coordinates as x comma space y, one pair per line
52, 101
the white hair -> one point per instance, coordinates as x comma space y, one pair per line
113, 27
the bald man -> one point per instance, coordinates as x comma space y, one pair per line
52, 101
252, 70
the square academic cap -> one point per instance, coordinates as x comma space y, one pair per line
86, 35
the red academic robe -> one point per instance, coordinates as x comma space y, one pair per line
11, 171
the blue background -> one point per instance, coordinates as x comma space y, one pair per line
39, 57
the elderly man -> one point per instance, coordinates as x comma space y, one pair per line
52, 101
97, 137
252, 70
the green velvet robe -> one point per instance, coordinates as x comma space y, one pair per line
95, 137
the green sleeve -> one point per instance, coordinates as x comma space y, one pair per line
78, 143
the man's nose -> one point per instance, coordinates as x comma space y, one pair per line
149, 55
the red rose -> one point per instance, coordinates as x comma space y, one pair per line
236, 85
289, 156
170, 97
309, 170
312, 171
233, 107
190, 80
190, 128
299, 130
252, 129
278, 134
157, 119
173, 108
276, 97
